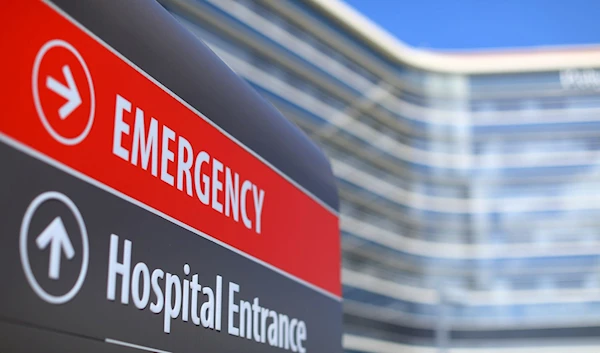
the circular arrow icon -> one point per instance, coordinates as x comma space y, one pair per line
52, 241
63, 92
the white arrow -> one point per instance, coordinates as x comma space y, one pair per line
56, 236
69, 92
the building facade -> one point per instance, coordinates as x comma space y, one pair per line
470, 212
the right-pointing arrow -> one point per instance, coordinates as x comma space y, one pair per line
56, 236
69, 92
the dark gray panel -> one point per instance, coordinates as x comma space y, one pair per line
157, 242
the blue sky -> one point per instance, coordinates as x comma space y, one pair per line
484, 24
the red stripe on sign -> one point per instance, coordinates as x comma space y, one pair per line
68, 96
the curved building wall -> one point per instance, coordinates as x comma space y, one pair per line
470, 211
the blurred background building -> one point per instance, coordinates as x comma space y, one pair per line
469, 183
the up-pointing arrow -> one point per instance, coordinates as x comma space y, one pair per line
69, 92
56, 236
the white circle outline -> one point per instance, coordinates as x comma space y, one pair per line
36, 95
52, 299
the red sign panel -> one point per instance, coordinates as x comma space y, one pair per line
80, 103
